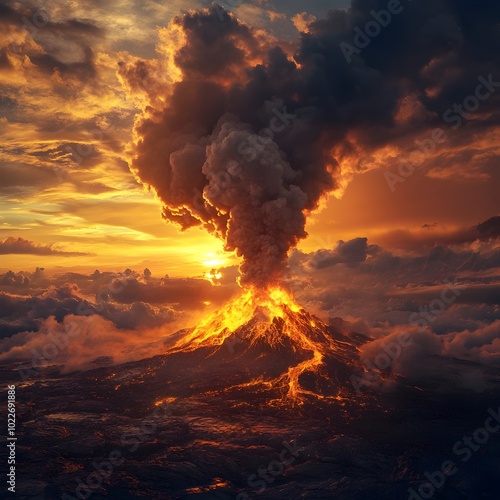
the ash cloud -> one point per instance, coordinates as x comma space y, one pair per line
202, 152
351, 253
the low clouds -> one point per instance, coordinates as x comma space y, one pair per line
185, 294
128, 300
80, 342
446, 297
79, 321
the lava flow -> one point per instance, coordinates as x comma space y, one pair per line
283, 349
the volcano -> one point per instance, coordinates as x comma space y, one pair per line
265, 344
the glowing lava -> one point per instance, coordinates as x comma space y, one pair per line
254, 305
281, 346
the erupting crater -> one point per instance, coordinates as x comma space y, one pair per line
265, 342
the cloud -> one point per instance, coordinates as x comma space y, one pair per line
302, 20
20, 246
488, 229
15, 279
358, 281
129, 300
22, 313
184, 293
80, 343
55, 48
350, 253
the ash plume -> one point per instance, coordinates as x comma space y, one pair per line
249, 135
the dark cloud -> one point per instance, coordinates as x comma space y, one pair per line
21, 313
21, 177
423, 267
81, 70
59, 41
130, 300
5, 62
8, 14
140, 315
14, 279
350, 253
489, 228
20, 246
185, 294
214, 48
201, 152
291, 7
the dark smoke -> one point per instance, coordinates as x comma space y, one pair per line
250, 138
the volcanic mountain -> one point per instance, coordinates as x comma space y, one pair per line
265, 344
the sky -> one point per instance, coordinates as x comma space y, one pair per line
117, 118
66, 124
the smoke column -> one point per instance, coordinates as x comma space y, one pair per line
248, 135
